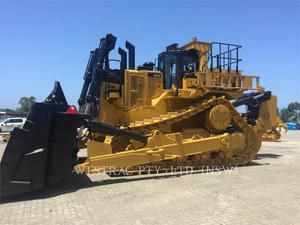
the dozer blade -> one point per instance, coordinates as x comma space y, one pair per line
43, 151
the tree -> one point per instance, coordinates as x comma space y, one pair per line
26, 104
291, 113
285, 115
294, 109
294, 106
7, 110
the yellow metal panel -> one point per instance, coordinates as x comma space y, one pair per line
268, 113
96, 148
247, 82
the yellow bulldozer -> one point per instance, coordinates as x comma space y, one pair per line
192, 107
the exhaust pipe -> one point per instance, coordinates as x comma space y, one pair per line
131, 51
123, 67
123, 64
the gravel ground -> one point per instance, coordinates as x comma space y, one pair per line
264, 192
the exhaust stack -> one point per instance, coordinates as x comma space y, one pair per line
131, 51
123, 54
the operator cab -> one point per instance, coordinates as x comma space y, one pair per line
176, 64
202, 64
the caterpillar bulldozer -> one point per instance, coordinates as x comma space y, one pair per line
193, 107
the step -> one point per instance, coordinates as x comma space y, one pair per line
148, 121
156, 119
165, 116
138, 123
180, 111
172, 113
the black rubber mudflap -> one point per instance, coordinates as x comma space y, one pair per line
41, 153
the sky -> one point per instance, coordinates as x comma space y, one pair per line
45, 41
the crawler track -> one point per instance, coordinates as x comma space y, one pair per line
223, 156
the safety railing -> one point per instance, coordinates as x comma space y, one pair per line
223, 56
